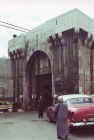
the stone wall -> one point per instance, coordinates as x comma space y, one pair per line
6, 81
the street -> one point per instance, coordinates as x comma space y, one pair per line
27, 126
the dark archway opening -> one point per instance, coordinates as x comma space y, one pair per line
39, 80
44, 88
43, 83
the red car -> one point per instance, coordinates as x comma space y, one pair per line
81, 110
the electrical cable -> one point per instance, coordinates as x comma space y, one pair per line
14, 25
12, 28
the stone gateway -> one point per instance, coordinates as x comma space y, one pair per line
53, 58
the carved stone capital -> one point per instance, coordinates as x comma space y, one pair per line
55, 40
51, 40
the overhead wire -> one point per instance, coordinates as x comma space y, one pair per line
14, 27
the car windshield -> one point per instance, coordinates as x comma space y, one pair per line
80, 100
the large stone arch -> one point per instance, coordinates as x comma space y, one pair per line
39, 78
45, 49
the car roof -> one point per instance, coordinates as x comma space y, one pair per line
69, 96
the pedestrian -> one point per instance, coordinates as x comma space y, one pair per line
40, 108
61, 114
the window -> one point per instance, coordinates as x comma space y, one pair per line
80, 100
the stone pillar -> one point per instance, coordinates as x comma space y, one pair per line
91, 69
75, 63
17, 75
85, 62
25, 83
35, 75
57, 69
13, 67
65, 62
21, 75
52, 71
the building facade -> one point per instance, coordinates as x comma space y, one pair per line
54, 58
6, 80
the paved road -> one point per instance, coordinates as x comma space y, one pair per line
27, 126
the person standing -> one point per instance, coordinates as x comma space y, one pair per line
61, 114
40, 108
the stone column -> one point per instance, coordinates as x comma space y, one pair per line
75, 63
35, 75
17, 75
21, 74
13, 67
57, 73
65, 62
91, 69
25, 83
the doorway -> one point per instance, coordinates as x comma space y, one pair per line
40, 79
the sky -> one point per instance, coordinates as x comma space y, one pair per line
31, 13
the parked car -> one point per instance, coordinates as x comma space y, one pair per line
3, 106
92, 97
81, 110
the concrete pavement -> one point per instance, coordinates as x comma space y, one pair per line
27, 126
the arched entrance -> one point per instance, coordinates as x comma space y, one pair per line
39, 79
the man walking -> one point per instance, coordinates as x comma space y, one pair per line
61, 113
40, 108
